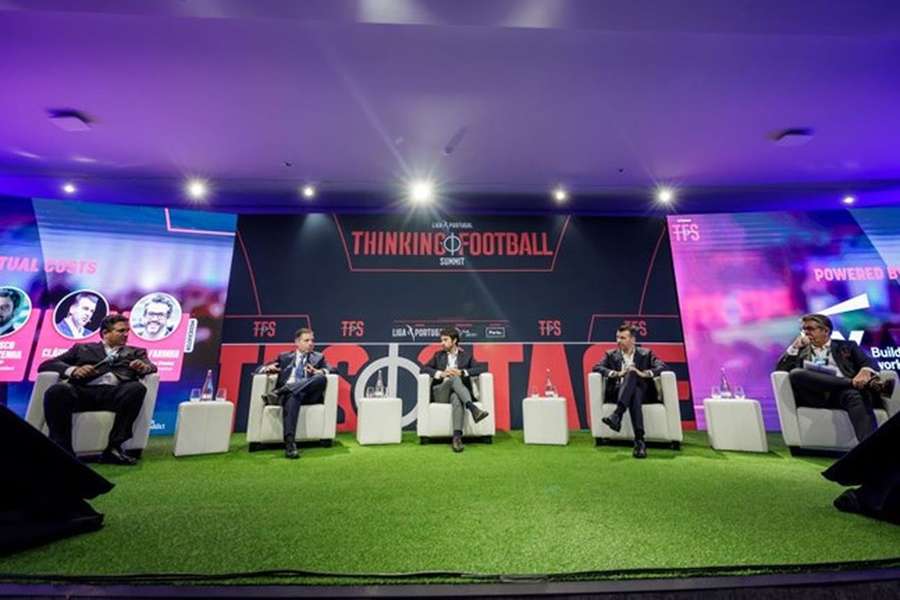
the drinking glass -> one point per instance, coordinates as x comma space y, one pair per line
370, 392
221, 394
195, 395
716, 392
739, 392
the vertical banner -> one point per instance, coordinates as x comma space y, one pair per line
744, 280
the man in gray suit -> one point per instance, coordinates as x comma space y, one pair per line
301, 380
629, 372
451, 370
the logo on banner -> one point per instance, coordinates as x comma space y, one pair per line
487, 244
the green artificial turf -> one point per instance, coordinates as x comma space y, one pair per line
501, 508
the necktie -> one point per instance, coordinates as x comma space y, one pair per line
300, 371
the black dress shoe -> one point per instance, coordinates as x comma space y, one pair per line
613, 422
273, 397
478, 414
848, 502
291, 451
117, 456
457, 444
875, 384
640, 449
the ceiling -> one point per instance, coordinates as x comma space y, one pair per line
495, 100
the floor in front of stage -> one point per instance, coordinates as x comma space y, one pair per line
504, 508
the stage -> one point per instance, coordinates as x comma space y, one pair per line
354, 515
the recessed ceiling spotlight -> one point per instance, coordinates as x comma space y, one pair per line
197, 189
792, 137
308, 191
69, 188
848, 200
70, 120
665, 195
421, 191
560, 194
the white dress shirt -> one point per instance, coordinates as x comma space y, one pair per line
823, 356
108, 378
298, 356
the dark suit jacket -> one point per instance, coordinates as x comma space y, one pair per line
285, 362
464, 362
64, 329
848, 357
644, 360
91, 354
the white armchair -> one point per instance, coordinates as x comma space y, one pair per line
90, 429
315, 422
822, 428
662, 421
433, 419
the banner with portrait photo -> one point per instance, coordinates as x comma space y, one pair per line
165, 269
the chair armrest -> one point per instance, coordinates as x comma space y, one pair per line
35, 413
596, 393
141, 431
891, 403
787, 407
331, 402
673, 406
261, 383
423, 398
486, 399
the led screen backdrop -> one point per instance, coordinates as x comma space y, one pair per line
66, 265
529, 293
744, 279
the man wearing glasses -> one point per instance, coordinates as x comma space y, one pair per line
154, 321
827, 373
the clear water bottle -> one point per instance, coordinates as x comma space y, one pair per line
724, 387
549, 388
379, 386
206, 393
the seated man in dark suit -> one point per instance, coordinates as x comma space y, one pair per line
98, 376
630, 371
451, 370
301, 380
853, 383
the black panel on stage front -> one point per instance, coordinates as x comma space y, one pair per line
874, 465
44, 488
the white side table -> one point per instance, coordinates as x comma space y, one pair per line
203, 427
378, 420
735, 424
545, 420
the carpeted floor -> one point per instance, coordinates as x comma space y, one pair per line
500, 508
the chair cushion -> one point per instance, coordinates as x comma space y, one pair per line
829, 428
310, 423
90, 431
440, 425
656, 425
